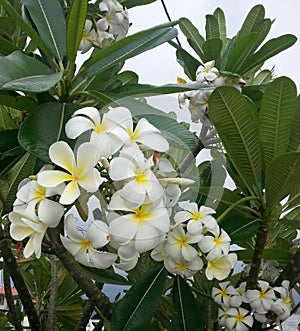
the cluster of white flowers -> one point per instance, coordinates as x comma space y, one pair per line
196, 240
139, 216
240, 306
198, 100
112, 25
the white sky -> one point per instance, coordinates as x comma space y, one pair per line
159, 66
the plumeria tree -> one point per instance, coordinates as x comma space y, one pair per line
98, 187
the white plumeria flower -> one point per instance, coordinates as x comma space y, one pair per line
145, 225
179, 244
222, 315
239, 319
128, 257
104, 38
207, 72
269, 270
198, 219
261, 300
198, 104
221, 295
237, 295
171, 196
84, 246
220, 268
216, 245
115, 20
106, 135
144, 133
79, 172
34, 196
140, 182
282, 306
25, 223
89, 37
183, 267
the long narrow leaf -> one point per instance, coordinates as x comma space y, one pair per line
6, 47
212, 27
26, 27
282, 177
219, 14
188, 62
135, 310
255, 15
75, 25
262, 29
269, 49
186, 316
277, 113
212, 50
294, 142
49, 19
235, 120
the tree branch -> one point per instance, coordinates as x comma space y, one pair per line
53, 294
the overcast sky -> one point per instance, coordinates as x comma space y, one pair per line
159, 66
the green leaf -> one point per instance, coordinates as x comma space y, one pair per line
262, 29
25, 26
7, 47
37, 133
186, 316
49, 19
127, 48
255, 15
282, 177
9, 145
241, 51
135, 310
276, 116
133, 3
235, 120
192, 34
24, 73
268, 50
219, 14
212, 27
263, 77
148, 90
105, 276
280, 255
294, 142
212, 49
188, 62
75, 25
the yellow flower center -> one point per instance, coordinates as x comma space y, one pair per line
40, 193
196, 216
217, 241
141, 214
206, 70
100, 127
182, 266
85, 35
85, 244
239, 318
182, 241
223, 292
141, 178
262, 294
134, 135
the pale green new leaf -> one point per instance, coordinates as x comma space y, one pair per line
24, 73
49, 19
255, 15
268, 50
75, 25
277, 113
263, 77
212, 27
282, 177
192, 34
236, 122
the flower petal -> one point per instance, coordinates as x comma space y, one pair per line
77, 125
70, 193
50, 212
62, 155
52, 178
97, 233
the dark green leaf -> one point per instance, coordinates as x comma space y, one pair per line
219, 14
188, 62
127, 48
294, 142
212, 49
193, 36
241, 51
49, 19
282, 177
134, 3
105, 276
236, 122
9, 145
262, 29
276, 116
75, 25
186, 316
37, 133
135, 310
25, 26
24, 73
7, 47
282, 256
268, 50
255, 15
212, 27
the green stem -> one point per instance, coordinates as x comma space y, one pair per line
261, 239
229, 209
11, 263
84, 282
